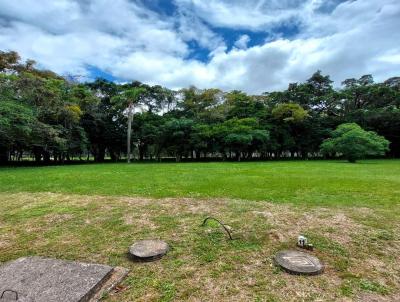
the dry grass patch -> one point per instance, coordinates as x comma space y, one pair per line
360, 246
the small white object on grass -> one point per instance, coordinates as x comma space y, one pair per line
302, 241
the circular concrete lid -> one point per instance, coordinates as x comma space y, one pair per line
299, 263
148, 250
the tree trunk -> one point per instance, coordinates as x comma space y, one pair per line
113, 155
46, 157
98, 151
3, 155
20, 155
38, 154
128, 139
142, 149
99, 156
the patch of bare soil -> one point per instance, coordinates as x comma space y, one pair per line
288, 222
371, 297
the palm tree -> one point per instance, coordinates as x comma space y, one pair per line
129, 98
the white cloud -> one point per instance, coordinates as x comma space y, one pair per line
191, 28
391, 57
242, 41
134, 43
250, 14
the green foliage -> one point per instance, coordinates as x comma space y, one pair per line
239, 136
128, 97
290, 112
176, 136
57, 120
354, 143
16, 123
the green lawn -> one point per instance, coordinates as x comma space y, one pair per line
93, 213
367, 183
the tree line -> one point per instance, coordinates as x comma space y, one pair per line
48, 118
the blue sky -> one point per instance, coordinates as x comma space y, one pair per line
228, 34
251, 45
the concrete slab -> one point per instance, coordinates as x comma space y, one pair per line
39, 279
118, 275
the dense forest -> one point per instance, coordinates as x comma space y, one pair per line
48, 118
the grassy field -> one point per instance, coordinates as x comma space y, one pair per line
368, 183
93, 213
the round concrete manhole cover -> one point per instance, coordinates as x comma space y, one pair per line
148, 250
299, 263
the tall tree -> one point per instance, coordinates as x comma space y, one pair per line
129, 98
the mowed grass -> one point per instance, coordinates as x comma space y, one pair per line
359, 246
93, 213
367, 183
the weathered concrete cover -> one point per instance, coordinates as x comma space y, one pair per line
39, 279
148, 250
299, 263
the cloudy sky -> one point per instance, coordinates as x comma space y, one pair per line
251, 45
